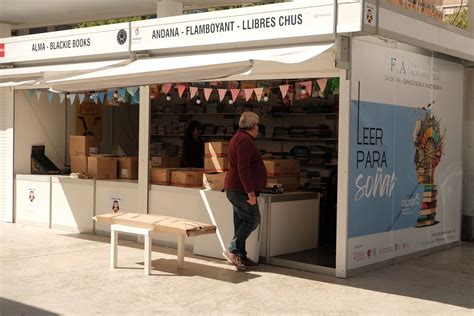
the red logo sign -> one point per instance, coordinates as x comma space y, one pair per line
2, 50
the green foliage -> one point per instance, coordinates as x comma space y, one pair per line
226, 7
461, 19
112, 21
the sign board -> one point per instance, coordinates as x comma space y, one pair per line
101, 40
370, 14
260, 23
405, 153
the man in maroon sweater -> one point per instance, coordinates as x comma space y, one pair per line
245, 177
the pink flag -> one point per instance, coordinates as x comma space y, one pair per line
284, 90
222, 93
207, 93
192, 91
322, 85
181, 88
258, 93
308, 85
235, 93
248, 94
167, 87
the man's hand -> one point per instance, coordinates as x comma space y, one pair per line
252, 198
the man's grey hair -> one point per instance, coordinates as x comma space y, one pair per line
248, 120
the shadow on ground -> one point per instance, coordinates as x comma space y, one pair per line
445, 277
12, 308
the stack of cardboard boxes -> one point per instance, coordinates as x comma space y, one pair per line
283, 171
161, 168
85, 160
215, 165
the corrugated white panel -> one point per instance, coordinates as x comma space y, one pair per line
4, 155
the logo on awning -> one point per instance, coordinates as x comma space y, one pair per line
2, 50
122, 37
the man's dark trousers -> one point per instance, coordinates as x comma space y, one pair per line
246, 220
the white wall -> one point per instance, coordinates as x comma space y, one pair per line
6, 155
39, 123
468, 145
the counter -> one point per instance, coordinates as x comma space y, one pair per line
33, 200
290, 221
72, 204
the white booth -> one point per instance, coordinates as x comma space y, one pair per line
395, 131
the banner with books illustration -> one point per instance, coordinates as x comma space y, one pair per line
405, 153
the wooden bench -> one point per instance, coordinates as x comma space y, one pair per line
147, 225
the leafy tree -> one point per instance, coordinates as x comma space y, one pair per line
458, 19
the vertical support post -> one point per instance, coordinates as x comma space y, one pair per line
342, 174
113, 247
143, 149
147, 261
168, 8
470, 17
180, 251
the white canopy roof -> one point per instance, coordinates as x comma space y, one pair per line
41, 74
197, 67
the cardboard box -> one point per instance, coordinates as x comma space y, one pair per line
102, 167
80, 145
161, 176
165, 162
214, 181
79, 164
216, 149
191, 178
290, 183
282, 167
127, 168
215, 164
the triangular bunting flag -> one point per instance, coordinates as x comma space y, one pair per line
322, 85
181, 88
235, 93
132, 90
248, 94
101, 97
136, 97
222, 93
122, 93
207, 93
95, 97
31, 93
72, 98
192, 92
50, 96
167, 87
61, 97
38, 94
110, 95
308, 85
81, 97
258, 93
284, 90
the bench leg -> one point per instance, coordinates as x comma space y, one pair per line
180, 252
113, 248
147, 261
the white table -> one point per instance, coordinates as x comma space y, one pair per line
147, 235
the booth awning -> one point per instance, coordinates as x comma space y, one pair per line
187, 68
41, 74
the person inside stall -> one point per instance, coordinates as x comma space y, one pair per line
193, 146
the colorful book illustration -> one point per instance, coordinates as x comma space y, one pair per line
429, 143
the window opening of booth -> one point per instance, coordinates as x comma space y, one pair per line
105, 142
298, 137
